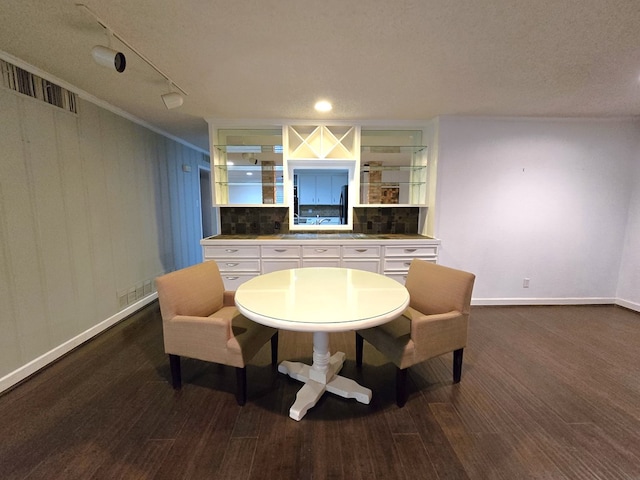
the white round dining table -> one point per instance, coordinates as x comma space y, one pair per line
321, 300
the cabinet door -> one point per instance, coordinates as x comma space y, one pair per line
307, 189
323, 190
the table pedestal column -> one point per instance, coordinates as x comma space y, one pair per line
321, 376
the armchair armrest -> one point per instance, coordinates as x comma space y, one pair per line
438, 333
195, 337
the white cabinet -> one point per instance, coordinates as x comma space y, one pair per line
315, 189
237, 263
240, 260
320, 189
397, 258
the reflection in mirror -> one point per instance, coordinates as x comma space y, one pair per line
254, 177
321, 197
248, 167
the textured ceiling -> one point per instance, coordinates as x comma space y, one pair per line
376, 60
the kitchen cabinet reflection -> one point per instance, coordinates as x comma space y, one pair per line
320, 196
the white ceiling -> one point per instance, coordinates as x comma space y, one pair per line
377, 60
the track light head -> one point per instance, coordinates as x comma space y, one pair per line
172, 100
109, 58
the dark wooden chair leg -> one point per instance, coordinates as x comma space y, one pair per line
359, 348
176, 375
241, 388
401, 386
274, 350
457, 365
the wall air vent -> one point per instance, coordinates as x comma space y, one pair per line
19, 80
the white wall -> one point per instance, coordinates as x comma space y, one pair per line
91, 206
539, 199
629, 281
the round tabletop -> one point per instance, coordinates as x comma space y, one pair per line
314, 299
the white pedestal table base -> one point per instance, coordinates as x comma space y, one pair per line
320, 377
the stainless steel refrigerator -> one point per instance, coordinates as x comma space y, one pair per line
344, 204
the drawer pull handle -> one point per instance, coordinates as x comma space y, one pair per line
321, 250
410, 250
281, 250
231, 250
232, 278
407, 264
231, 264
361, 250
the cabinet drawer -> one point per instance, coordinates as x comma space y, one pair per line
369, 265
401, 264
282, 251
411, 251
367, 251
397, 264
320, 262
273, 265
232, 265
231, 251
321, 251
233, 281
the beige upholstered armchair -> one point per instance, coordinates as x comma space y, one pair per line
434, 323
200, 320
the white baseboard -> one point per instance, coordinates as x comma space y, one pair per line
42, 361
627, 304
545, 301
557, 301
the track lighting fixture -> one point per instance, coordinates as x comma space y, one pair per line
172, 99
108, 57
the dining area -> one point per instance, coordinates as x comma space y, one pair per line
409, 323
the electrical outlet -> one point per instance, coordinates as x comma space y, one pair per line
525, 283
123, 299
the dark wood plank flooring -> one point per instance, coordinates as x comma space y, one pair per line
546, 393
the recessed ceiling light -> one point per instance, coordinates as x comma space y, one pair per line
323, 106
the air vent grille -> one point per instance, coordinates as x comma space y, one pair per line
19, 80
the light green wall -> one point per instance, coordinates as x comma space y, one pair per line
91, 206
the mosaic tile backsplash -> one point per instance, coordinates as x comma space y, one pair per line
274, 220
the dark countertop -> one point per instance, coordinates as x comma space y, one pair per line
323, 236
